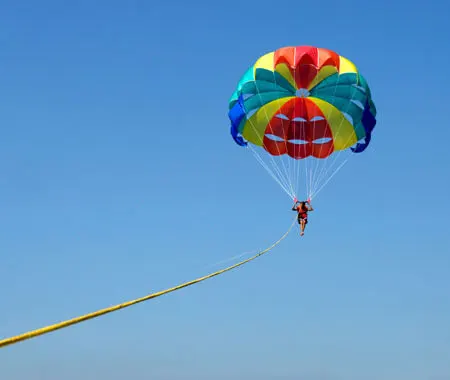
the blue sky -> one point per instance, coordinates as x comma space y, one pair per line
119, 178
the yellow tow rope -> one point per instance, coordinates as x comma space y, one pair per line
95, 314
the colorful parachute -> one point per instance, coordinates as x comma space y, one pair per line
302, 102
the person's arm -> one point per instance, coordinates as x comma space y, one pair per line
310, 208
295, 204
294, 207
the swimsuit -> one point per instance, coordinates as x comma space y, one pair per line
302, 214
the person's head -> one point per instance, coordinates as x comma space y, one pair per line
302, 204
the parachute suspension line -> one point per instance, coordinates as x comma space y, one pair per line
321, 162
329, 179
313, 168
309, 183
300, 164
295, 162
284, 179
73, 321
285, 167
281, 179
306, 175
324, 166
289, 167
323, 175
317, 186
284, 185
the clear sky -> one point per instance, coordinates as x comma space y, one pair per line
118, 177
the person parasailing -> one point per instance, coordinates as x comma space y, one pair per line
302, 209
